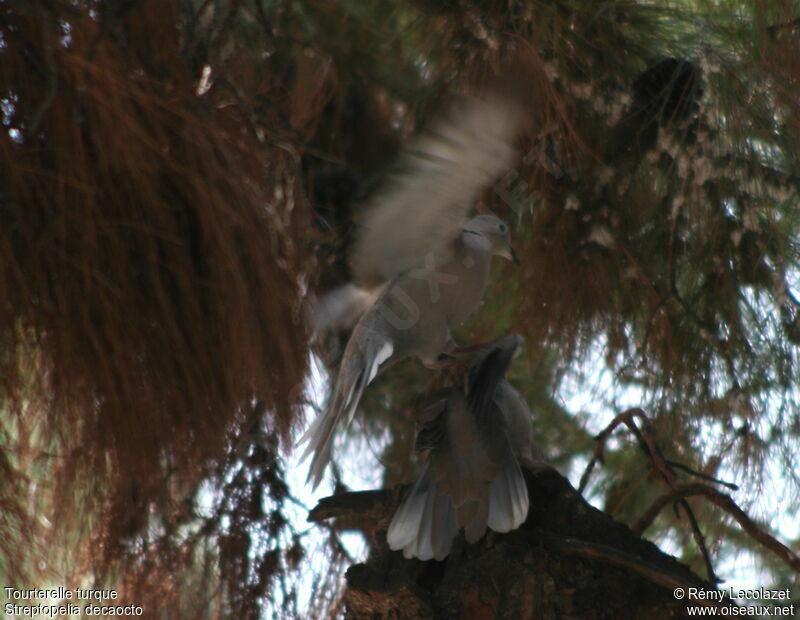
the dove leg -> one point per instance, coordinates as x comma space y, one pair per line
458, 359
469, 350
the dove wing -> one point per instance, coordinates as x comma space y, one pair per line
421, 209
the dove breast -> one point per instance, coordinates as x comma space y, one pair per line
419, 308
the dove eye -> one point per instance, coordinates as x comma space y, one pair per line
502, 227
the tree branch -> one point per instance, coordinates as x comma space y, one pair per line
648, 445
609, 555
727, 504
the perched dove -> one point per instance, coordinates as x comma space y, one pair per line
477, 436
433, 269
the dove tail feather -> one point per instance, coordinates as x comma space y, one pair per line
424, 525
424, 550
508, 499
359, 367
320, 438
476, 528
405, 525
444, 527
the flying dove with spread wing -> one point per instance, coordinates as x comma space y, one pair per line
429, 267
477, 435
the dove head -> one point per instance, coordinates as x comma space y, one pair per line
496, 232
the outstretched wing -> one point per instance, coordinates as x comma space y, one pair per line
422, 208
487, 374
472, 478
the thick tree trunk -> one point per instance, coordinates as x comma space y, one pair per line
568, 560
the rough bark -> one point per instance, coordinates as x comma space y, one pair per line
568, 560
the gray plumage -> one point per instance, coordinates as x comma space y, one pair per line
340, 308
436, 267
420, 210
477, 436
418, 213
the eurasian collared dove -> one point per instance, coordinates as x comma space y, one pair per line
436, 267
477, 436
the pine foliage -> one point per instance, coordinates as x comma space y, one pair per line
177, 176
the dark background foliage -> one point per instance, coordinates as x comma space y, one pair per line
177, 176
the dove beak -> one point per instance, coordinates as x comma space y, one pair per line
509, 253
